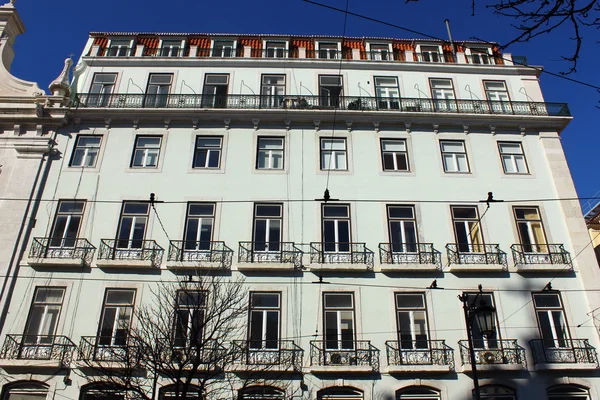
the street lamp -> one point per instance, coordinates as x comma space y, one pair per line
477, 311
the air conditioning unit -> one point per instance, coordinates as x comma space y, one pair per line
488, 357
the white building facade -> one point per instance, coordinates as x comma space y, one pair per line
238, 137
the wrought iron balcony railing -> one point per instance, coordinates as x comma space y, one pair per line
480, 59
409, 253
220, 52
117, 51
352, 353
38, 347
281, 354
108, 348
135, 250
464, 253
166, 51
272, 252
74, 249
340, 253
352, 103
209, 353
419, 352
327, 54
505, 351
433, 57
200, 251
563, 351
540, 254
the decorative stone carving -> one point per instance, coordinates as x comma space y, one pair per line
493, 130
227, 122
287, 123
317, 125
60, 86
255, 122
136, 123
376, 126
167, 122
107, 122
436, 128
349, 126
466, 129
195, 123
407, 126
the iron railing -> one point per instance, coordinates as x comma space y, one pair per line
377, 55
38, 347
108, 348
505, 351
136, 250
282, 354
200, 251
117, 51
353, 353
540, 254
276, 52
274, 252
340, 253
75, 249
409, 253
207, 352
563, 351
353, 103
220, 52
326, 54
419, 352
433, 57
165, 52
464, 253
480, 59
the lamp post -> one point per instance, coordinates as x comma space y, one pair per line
477, 311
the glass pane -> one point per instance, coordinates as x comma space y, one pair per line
105, 78
274, 143
494, 85
160, 79
510, 148
213, 159
453, 147
331, 330
208, 142
75, 207
260, 234
124, 297
265, 300
335, 211
509, 166
347, 329
546, 300
135, 208
384, 81
201, 209
527, 213
464, 212
88, 141
335, 300
268, 211
344, 235
217, 79
262, 159
388, 161
49, 295
521, 165
461, 161
340, 160
256, 334
191, 233
329, 235
274, 234
410, 301
333, 144
277, 159
393, 145
400, 212
272, 330
200, 160
326, 162
440, 83
151, 142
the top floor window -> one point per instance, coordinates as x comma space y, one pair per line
480, 56
328, 50
85, 153
170, 48
275, 49
380, 52
223, 48
430, 54
119, 48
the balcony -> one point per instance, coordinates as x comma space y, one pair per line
219, 52
464, 257
261, 256
206, 355
119, 253
506, 355
166, 51
419, 356
563, 354
358, 356
541, 257
108, 352
284, 356
190, 255
433, 57
409, 257
60, 252
329, 54
352, 103
33, 351
340, 256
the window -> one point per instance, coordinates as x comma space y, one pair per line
467, 230
431, 54
531, 229
96, 391
328, 50
43, 315
454, 156
551, 319
214, 94
157, 93
442, 92
479, 340
513, 158
223, 48
132, 226
387, 92
208, 152
171, 393
336, 227
394, 155
67, 222
333, 154
263, 330
119, 48
272, 91
418, 393
495, 392
275, 49
101, 89
411, 316
268, 221
340, 393
380, 52
270, 153
146, 152
170, 48
330, 90
498, 97
85, 153
199, 226
338, 317
481, 56
189, 318
25, 390
116, 316
261, 393
568, 392
402, 228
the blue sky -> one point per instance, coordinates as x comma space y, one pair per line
57, 28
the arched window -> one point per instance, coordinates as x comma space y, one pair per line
170, 393
25, 390
340, 393
568, 392
102, 391
261, 393
418, 393
496, 392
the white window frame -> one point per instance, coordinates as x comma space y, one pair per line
512, 158
264, 310
338, 50
535, 246
477, 53
548, 311
338, 311
146, 151
129, 49
421, 57
377, 55
203, 220
411, 311
337, 220
209, 151
134, 218
270, 152
69, 219
266, 48
388, 97
233, 48
472, 227
272, 99
454, 157
191, 310
86, 152
41, 337
269, 220
395, 154
405, 247
118, 310
333, 154
162, 47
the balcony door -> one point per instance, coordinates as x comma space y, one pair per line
116, 317
387, 92
531, 229
67, 222
263, 329
199, 226
214, 94
338, 314
479, 340
43, 315
467, 231
157, 93
272, 91
189, 319
412, 321
551, 320
101, 90
336, 228
268, 221
402, 229
132, 226
330, 91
